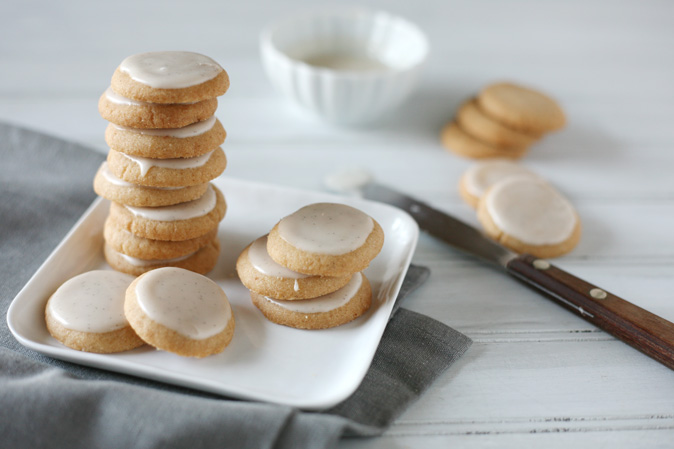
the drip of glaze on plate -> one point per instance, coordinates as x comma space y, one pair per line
324, 303
91, 302
326, 228
187, 302
260, 260
182, 211
170, 69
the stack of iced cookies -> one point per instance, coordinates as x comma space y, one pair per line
307, 272
164, 150
504, 120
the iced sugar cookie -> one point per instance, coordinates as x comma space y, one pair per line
176, 172
259, 273
178, 222
180, 311
326, 239
202, 261
169, 77
127, 243
477, 179
87, 313
521, 108
110, 187
189, 141
333, 309
527, 215
458, 141
479, 125
140, 114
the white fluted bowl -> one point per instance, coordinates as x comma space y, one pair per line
349, 66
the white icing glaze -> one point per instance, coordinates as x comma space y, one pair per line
114, 97
348, 181
195, 129
324, 303
113, 179
183, 211
179, 163
148, 263
530, 210
184, 301
170, 69
91, 302
260, 260
326, 228
483, 175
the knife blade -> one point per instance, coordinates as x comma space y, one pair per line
643, 330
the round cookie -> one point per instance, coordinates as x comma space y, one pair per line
521, 108
479, 125
169, 77
127, 243
180, 311
528, 215
178, 222
87, 313
325, 239
259, 273
176, 172
458, 141
333, 309
189, 141
139, 114
477, 179
202, 261
110, 187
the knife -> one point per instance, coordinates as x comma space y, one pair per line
645, 331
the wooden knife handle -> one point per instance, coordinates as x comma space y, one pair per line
650, 334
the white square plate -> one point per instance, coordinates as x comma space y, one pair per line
265, 361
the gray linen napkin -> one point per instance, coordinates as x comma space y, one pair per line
45, 185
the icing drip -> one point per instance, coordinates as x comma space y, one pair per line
170, 69
91, 302
195, 129
187, 302
260, 260
112, 179
183, 211
324, 303
326, 228
181, 163
136, 262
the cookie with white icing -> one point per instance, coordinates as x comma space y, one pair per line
455, 139
528, 215
174, 172
259, 273
326, 239
333, 309
180, 311
132, 245
202, 261
124, 111
177, 222
169, 77
110, 187
87, 313
189, 141
477, 179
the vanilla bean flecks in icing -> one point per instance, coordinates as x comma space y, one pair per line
531, 210
170, 69
324, 303
91, 302
485, 174
136, 262
260, 260
179, 163
326, 228
112, 179
186, 302
193, 130
183, 211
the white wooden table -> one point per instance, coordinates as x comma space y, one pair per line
537, 376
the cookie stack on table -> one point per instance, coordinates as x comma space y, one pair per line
307, 272
164, 150
504, 120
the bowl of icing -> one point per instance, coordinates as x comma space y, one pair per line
347, 65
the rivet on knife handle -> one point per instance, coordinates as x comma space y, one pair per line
641, 329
